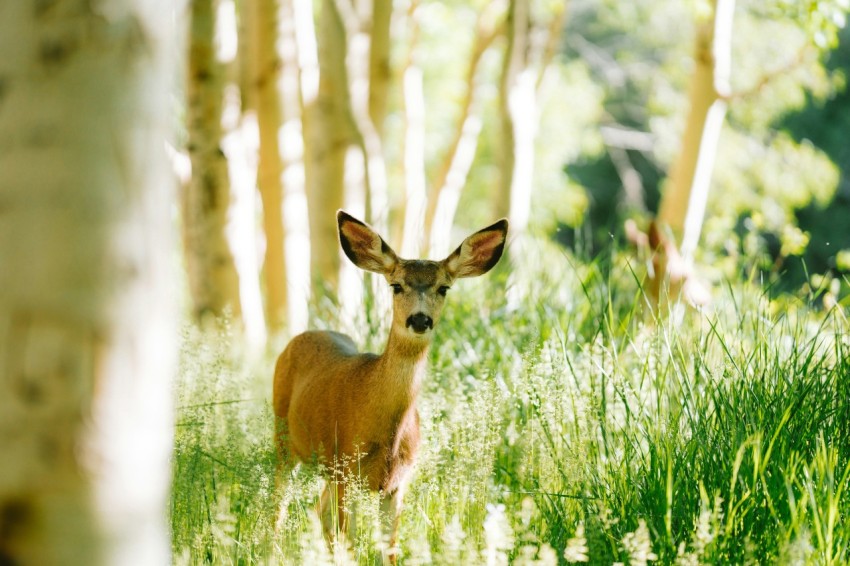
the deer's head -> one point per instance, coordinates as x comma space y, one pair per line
420, 286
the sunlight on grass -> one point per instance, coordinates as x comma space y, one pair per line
563, 428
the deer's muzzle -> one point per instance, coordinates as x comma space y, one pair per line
420, 322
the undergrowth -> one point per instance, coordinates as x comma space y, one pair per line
561, 423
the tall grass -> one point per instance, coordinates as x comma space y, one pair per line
558, 426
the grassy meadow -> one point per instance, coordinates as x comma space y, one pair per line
558, 426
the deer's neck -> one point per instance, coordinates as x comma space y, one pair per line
403, 366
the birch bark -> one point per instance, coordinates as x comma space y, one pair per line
265, 70
86, 314
213, 281
460, 153
331, 138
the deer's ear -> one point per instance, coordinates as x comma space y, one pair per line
363, 246
479, 252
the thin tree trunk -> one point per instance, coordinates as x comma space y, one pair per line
414, 162
529, 53
682, 206
457, 160
359, 100
298, 169
86, 313
331, 138
240, 144
380, 73
245, 37
518, 117
265, 68
295, 224
412, 211
211, 271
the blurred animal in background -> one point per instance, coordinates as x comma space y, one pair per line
669, 276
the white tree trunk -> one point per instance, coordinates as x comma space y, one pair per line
240, 146
460, 153
265, 70
295, 225
683, 203
531, 47
414, 162
330, 136
380, 73
86, 330
518, 115
213, 281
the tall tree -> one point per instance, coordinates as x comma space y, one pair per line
682, 206
517, 103
530, 48
213, 281
265, 65
380, 71
86, 318
331, 141
457, 160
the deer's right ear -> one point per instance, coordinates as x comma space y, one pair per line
363, 246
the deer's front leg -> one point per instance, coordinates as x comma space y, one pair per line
332, 511
391, 504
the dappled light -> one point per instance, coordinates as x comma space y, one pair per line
422, 282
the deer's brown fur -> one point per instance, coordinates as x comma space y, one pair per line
335, 403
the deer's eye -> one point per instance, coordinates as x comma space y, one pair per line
397, 288
442, 290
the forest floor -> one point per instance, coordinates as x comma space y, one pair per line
560, 423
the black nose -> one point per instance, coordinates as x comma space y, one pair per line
420, 322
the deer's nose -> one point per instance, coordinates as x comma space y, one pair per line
420, 322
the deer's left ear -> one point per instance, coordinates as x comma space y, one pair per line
479, 252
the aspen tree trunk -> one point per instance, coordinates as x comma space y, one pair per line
295, 220
414, 162
245, 37
356, 20
380, 72
531, 48
265, 68
87, 337
683, 203
457, 160
519, 117
211, 271
412, 211
240, 145
331, 138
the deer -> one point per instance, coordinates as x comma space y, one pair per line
669, 275
331, 401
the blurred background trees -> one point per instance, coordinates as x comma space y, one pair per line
567, 117
426, 118
87, 325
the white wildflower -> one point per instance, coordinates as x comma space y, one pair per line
703, 534
639, 546
533, 555
498, 536
547, 556
453, 538
576, 550
798, 551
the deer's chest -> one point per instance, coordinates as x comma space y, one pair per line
390, 460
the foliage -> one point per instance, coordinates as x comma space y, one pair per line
640, 54
558, 426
